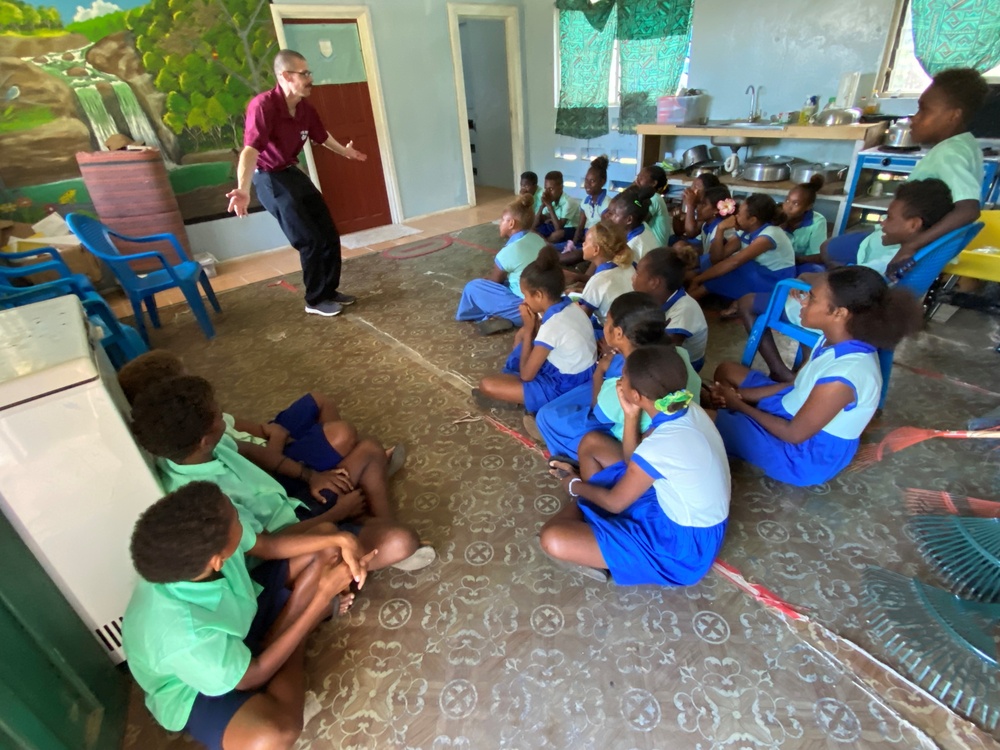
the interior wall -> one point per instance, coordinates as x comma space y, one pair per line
484, 63
794, 48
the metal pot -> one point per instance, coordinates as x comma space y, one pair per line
898, 135
695, 156
838, 117
770, 161
709, 167
765, 172
831, 172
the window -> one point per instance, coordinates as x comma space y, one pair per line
903, 74
614, 79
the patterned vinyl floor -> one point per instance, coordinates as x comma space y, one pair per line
494, 646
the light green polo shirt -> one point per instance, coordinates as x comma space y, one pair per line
521, 250
956, 161
566, 207
186, 638
807, 239
607, 398
248, 486
660, 221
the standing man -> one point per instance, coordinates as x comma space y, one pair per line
278, 123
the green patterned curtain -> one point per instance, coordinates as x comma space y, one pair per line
653, 38
586, 40
956, 34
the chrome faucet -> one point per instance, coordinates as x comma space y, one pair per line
754, 113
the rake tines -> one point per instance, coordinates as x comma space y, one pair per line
944, 643
964, 551
933, 502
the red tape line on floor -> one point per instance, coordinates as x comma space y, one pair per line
758, 592
485, 249
947, 378
522, 439
284, 285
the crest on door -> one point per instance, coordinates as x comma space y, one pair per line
326, 48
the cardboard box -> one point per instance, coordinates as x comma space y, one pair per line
68, 246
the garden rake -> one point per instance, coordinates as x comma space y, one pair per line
964, 551
940, 503
944, 643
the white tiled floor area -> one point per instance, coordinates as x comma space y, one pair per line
260, 266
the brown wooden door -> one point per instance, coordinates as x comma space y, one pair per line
354, 191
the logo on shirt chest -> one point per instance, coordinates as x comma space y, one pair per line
304, 134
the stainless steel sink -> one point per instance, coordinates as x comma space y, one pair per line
744, 125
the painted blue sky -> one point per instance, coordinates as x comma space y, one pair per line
69, 9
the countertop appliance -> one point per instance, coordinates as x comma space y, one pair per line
72, 479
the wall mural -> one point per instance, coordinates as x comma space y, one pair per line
174, 74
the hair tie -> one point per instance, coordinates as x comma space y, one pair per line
726, 207
682, 398
637, 203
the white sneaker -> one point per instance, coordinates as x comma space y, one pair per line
326, 309
420, 559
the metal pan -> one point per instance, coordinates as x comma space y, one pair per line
831, 172
765, 172
708, 167
694, 156
768, 161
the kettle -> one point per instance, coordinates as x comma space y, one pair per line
898, 135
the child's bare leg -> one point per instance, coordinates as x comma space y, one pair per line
503, 388
393, 540
731, 373
342, 436
366, 465
767, 347
568, 537
571, 257
328, 411
598, 451
697, 291
273, 718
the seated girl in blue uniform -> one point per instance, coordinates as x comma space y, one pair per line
493, 303
554, 351
592, 208
916, 207
659, 220
554, 220
219, 651
634, 320
754, 260
606, 250
660, 274
629, 210
687, 223
653, 508
807, 432
807, 227
714, 205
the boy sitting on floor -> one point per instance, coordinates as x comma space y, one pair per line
219, 651
301, 447
179, 421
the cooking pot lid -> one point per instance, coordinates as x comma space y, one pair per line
770, 161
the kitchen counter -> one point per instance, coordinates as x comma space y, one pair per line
869, 133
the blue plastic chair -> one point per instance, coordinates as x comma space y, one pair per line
142, 288
77, 281
121, 342
772, 319
917, 276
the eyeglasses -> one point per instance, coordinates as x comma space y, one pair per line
303, 73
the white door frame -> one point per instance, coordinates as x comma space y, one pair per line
510, 15
359, 14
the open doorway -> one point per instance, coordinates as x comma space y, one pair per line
486, 51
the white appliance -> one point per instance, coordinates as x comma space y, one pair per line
72, 479
853, 87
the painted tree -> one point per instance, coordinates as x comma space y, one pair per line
210, 57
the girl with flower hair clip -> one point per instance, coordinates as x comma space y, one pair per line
653, 508
714, 206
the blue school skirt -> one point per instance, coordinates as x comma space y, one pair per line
750, 277
815, 461
642, 545
548, 384
564, 421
